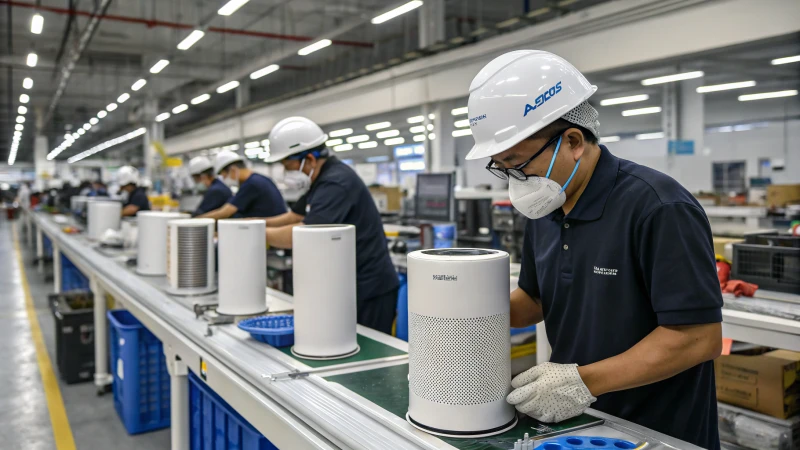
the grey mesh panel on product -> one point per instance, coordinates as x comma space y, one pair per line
584, 115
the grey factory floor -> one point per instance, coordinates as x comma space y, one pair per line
25, 422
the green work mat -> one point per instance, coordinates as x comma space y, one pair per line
388, 388
370, 349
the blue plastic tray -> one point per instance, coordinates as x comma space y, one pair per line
141, 380
584, 443
277, 331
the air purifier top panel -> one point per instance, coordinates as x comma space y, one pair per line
458, 254
192, 222
162, 214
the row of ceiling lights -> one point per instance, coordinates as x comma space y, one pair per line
226, 10
37, 24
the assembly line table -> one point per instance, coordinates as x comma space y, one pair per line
332, 408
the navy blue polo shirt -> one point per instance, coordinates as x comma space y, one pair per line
215, 197
634, 253
258, 197
339, 196
139, 198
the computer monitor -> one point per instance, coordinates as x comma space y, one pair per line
434, 198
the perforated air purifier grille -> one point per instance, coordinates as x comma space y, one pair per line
192, 257
459, 361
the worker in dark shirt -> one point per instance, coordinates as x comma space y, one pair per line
134, 197
335, 195
257, 195
617, 258
216, 193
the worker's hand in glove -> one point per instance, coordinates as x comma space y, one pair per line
550, 392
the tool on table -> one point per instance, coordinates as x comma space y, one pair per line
295, 374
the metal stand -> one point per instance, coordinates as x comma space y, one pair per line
56, 268
179, 400
40, 250
101, 376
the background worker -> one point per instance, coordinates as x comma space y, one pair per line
335, 195
257, 195
216, 193
617, 259
134, 197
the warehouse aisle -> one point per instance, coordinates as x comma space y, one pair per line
93, 422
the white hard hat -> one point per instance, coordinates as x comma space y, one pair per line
224, 159
294, 135
521, 92
127, 175
199, 164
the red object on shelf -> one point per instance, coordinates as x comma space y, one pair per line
723, 272
740, 288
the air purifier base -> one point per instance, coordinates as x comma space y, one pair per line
326, 358
463, 434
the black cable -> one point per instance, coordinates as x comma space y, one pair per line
65, 37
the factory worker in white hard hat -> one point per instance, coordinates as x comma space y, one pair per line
134, 197
334, 194
617, 258
216, 192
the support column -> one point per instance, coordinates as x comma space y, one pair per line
683, 122
243, 94
431, 23
179, 400
40, 250
44, 169
155, 132
443, 149
56, 268
101, 376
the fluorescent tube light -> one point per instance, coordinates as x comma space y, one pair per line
647, 136
370, 144
671, 78
231, 7
641, 111
265, 71
180, 108
123, 98
387, 134
319, 45
378, 126
399, 11
462, 132
621, 100
37, 23
340, 133
358, 138
191, 39
227, 86
786, 60
200, 99
33, 58
766, 95
343, 148
725, 87
138, 84
163, 116
459, 111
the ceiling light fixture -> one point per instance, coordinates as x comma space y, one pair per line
319, 45
671, 78
87, 126
786, 60
180, 108
107, 144
123, 98
621, 100
607, 139
387, 134
766, 95
22, 110
725, 87
370, 144
81, 131
399, 11
358, 138
102, 114
138, 84
419, 138
343, 148
333, 142
191, 39
19, 127
417, 129
27, 83
461, 123
111, 107
24, 98
340, 133
416, 119
163, 116
231, 7
254, 144
432, 136
641, 111
33, 58
227, 86
393, 141
93, 121
37, 23
378, 126
647, 136
159, 66
20, 119
460, 111
200, 99
462, 132
264, 72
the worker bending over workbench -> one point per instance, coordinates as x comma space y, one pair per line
335, 195
216, 194
134, 197
617, 258
257, 195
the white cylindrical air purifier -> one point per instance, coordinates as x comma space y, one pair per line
152, 242
190, 256
102, 216
324, 277
459, 342
242, 267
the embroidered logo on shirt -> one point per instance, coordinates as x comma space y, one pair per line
604, 271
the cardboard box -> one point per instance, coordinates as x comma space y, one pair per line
767, 383
394, 196
779, 195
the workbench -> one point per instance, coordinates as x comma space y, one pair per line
358, 406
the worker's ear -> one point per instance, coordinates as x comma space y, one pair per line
311, 161
577, 142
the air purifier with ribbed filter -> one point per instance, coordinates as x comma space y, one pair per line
152, 241
242, 267
459, 342
190, 256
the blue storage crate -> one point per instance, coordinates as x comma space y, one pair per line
141, 380
72, 278
215, 425
47, 246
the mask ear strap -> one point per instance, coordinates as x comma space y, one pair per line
570, 177
553, 159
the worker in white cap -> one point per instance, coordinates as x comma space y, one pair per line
617, 258
334, 194
134, 197
257, 195
216, 192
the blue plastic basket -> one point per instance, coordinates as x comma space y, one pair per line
47, 246
141, 380
585, 443
71, 277
215, 425
277, 331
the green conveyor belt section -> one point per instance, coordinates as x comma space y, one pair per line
370, 349
388, 388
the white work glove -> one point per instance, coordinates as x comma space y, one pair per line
550, 392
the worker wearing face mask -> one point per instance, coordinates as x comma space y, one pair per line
134, 197
257, 195
335, 194
617, 258
216, 192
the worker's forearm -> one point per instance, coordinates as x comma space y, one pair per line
130, 210
287, 218
280, 237
525, 311
665, 352
223, 212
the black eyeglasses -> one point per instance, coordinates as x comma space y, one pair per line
516, 171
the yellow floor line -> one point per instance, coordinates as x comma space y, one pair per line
62, 433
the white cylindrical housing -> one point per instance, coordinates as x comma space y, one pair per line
324, 272
459, 342
242, 267
190, 256
103, 215
152, 242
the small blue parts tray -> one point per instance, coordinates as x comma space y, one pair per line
584, 443
277, 331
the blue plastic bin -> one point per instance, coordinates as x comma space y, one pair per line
215, 425
71, 277
47, 246
141, 380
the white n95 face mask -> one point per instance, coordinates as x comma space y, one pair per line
537, 197
297, 180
